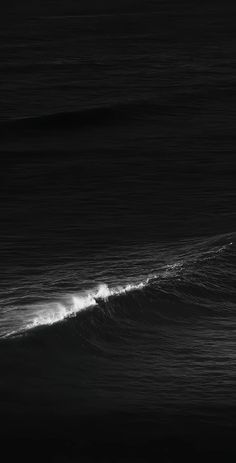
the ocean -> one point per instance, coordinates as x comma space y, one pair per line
117, 236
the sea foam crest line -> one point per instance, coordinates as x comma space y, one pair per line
54, 312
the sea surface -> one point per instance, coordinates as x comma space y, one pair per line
118, 234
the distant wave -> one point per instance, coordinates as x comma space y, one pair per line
108, 113
203, 279
70, 120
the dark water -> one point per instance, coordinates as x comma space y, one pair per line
117, 241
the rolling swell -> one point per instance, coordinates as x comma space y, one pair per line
111, 113
69, 120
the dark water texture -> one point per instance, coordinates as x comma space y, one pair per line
117, 239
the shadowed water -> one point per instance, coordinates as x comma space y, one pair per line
117, 240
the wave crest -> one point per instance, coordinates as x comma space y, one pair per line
50, 313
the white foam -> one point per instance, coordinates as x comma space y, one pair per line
48, 314
53, 312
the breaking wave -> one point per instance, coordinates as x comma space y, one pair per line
53, 312
203, 278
